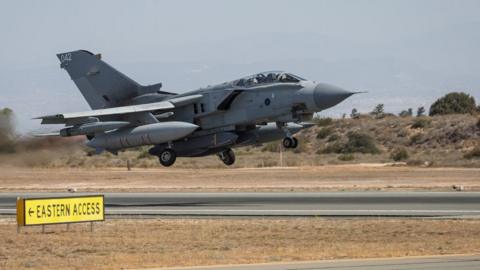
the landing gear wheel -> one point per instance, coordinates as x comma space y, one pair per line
167, 157
295, 142
227, 156
288, 142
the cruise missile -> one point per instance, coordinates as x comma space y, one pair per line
92, 128
142, 135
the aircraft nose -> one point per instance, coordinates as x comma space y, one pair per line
326, 96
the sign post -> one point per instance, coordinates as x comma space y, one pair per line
60, 210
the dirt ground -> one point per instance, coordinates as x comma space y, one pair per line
120, 244
320, 178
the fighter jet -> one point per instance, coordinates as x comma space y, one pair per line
260, 108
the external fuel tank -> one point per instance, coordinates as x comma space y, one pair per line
142, 135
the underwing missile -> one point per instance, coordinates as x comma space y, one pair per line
92, 128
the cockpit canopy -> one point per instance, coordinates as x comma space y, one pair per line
268, 78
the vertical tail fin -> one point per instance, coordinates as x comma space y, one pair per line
101, 85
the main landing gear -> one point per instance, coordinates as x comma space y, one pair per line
167, 157
227, 156
290, 142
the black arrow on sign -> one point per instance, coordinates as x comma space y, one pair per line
30, 211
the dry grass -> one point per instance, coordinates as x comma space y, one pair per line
119, 244
322, 178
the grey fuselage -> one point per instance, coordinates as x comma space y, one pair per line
230, 115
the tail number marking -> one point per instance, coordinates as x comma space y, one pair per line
65, 57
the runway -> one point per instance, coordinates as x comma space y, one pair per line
465, 262
335, 204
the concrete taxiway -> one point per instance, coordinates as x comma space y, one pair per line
338, 204
457, 262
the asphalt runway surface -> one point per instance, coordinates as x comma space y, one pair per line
462, 262
333, 204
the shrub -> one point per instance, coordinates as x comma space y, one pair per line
474, 153
337, 147
421, 123
361, 143
324, 132
271, 147
453, 103
144, 154
335, 137
346, 157
415, 162
322, 122
399, 154
416, 139
357, 143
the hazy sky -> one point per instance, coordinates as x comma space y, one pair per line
381, 46
33, 31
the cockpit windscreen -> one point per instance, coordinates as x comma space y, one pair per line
268, 77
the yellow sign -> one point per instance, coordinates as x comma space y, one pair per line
39, 211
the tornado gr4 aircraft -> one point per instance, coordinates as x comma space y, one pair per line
252, 110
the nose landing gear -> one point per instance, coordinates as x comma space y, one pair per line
227, 156
290, 142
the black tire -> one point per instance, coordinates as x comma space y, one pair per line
167, 157
295, 142
287, 142
227, 157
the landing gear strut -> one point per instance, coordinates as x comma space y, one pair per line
167, 157
227, 156
290, 142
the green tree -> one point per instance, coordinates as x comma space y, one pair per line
420, 111
354, 114
453, 103
7, 130
406, 113
378, 111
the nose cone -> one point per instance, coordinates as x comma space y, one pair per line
326, 96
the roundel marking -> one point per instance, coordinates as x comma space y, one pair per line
267, 101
